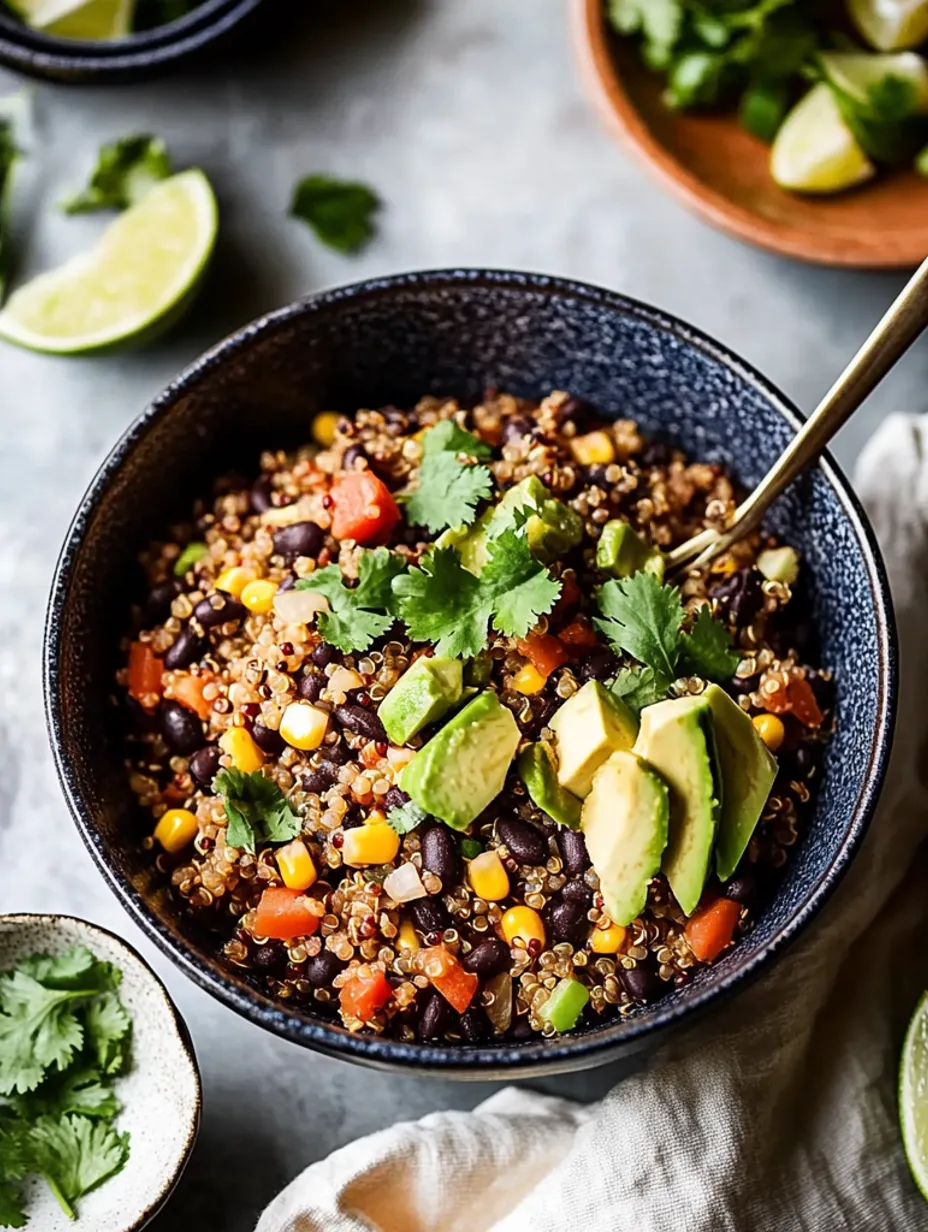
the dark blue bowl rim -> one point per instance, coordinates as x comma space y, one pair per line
530, 1058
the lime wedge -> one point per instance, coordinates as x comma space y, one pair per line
890, 25
78, 19
855, 72
913, 1095
815, 151
138, 278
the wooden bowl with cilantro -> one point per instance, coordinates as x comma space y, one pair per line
800, 128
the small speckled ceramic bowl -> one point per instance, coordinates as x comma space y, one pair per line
160, 1094
455, 332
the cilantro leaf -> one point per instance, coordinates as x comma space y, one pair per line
522, 589
76, 968
406, 817
340, 213
707, 650
8, 158
108, 1030
38, 1029
81, 1089
350, 624
643, 618
448, 491
639, 687
126, 170
257, 809
14, 1164
75, 1155
660, 22
887, 120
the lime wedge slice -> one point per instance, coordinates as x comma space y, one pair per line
890, 25
78, 19
855, 72
913, 1095
815, 151
138, 278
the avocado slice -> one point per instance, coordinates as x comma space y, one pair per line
552, 528
621, 551
424, 692
748, 770
625, 822
464, 766
589, 726
678, 738
470, 541
539, 774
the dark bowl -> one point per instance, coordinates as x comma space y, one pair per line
391, 341
138, 55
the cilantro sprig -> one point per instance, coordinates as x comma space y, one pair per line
358, 616
644, 619
257, 809
340, 213
126, 170
448, 490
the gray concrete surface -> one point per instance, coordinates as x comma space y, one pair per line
469, 120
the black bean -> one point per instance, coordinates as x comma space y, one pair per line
288, 583
268, 740
524, 842
218, 609
566, 919
261, 493
271, 958
488, 957
311, 686
352, 454
801, 761
322, 968
433, 1016
597, 474
324, 654
740, 595
440, 854
320, 780
742, 888
475, 1027
395, 798
181, 728
430, 915
657, 454
574, 856
641, 982
298, 539
577, 409
598, 665
338, 754
360, 721
188, 647
515, 428
157, 607
578, 892
520, 1029
204, 765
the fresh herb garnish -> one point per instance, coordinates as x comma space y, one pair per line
126, 170
257, 809
644, 619
448, 490
64, 1037
887, 120
341, 214
406, 817
357, 616
9, 154
441, 602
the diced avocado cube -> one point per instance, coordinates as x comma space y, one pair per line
470, 541
621, 551
565, 1005
425, 691
539, 774
589, 726
625, 822
464, 765
677, 737
552, 528
748, 770
779, 565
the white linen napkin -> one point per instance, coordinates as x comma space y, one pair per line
776, 1112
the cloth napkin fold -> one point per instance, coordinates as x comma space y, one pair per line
778, 1111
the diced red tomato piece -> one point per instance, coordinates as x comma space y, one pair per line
284, 914
568, 599
145, 673
364, 509
710, 930
803, 703
364, 993
579, 636
447, 975
188, 690
544, 651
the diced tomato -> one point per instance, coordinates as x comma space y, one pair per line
364, 509
579, 636
145, 673
710, 930
364, 993
803, 703
568, 599
447, 975
543, 651
284, 914
188, 690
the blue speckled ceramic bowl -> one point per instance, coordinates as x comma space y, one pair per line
392, 340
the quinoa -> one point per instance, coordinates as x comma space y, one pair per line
245, 667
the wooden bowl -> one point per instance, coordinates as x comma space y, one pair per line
721, 173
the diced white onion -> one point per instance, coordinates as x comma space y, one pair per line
299, 607
343, 680
404, 884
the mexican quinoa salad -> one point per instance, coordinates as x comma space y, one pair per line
432, 748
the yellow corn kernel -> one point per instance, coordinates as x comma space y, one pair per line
595, 448
245, 754
323, 428
488, 879
258, 596
176, 828
607, 940
377, 844
522, 924
407, 939
303, 726
233, 581
770, 729
296, 865
398, 758
528, 680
